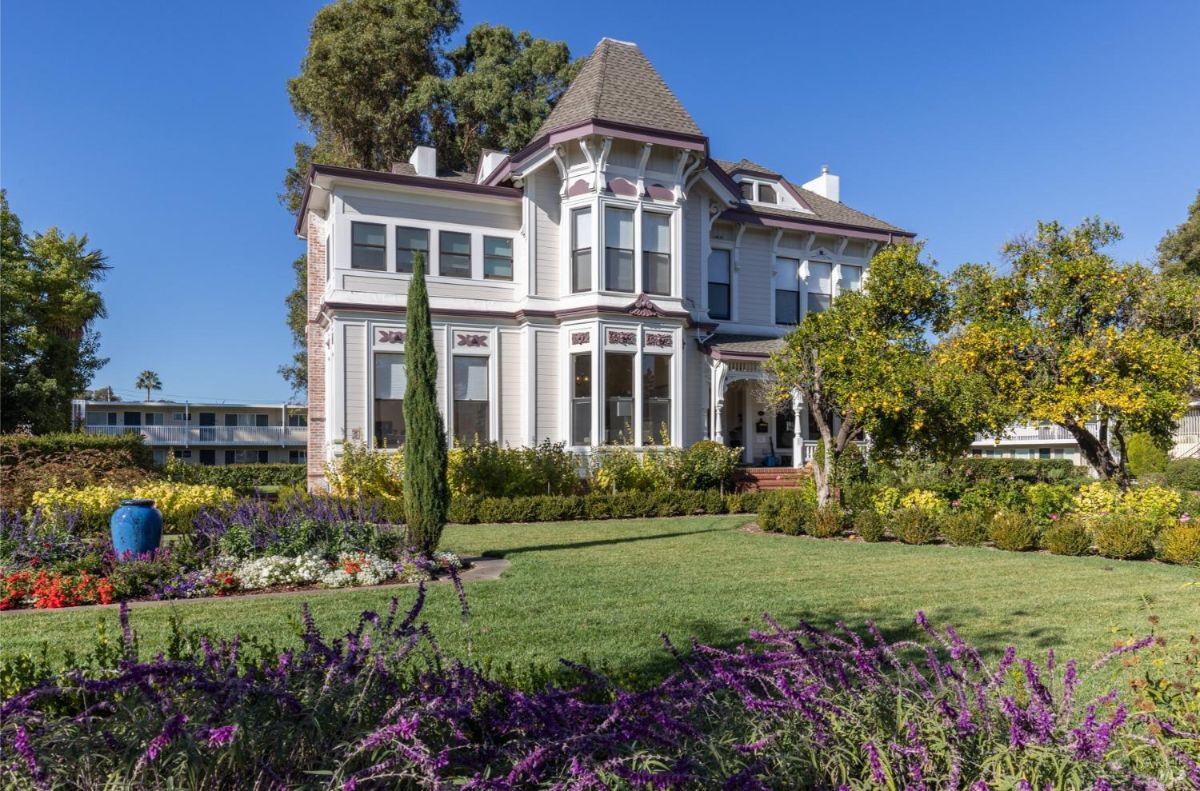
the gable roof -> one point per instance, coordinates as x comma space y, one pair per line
618, 84
823, 209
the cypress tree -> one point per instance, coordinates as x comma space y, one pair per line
426, 493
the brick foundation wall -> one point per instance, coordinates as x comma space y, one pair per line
316, 354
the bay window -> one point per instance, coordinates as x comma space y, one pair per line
390, 380
850, 278
581, 250
409, 242
820, 286
497, 258
719, 280
454, 254
656, 399
581, 399
618, 249
368, 246
787, 291
618, 398
656, 253
471, 400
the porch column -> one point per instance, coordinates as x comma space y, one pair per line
749, 418
717, 401
799, 412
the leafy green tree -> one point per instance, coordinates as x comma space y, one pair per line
148, 381
296, 372
1061, 338
48, 305
864, 365
426, 491
1145, 455
377, 80
1180, 248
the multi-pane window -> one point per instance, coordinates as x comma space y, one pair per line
850, 278
787, 291
102, 418
297, 456
656, 399
766, 194
618, 398
208, 458
820, 286
454, 254
656, 253
471, 400
132, 419
747, 190
581, 399
297, 419
618, 249
245, 419
719, 293
410, 242
497, 258
581, 250
154, 418
368, 246
390, 380
246, 457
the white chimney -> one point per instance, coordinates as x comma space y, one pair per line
826, 185
424, 160
488, 164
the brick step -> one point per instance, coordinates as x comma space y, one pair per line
765, 478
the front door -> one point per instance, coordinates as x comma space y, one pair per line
207, 421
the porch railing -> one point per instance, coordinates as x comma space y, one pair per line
183, 436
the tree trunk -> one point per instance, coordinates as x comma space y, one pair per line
1098, 454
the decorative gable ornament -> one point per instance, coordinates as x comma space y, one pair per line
644, 307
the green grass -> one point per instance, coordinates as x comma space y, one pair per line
607, 590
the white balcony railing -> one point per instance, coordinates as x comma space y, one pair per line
184, 436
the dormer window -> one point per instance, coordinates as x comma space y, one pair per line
766, 194
748, 190
759, 192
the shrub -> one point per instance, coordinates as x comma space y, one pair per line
623, 469
788, 511
1184, 474
886, 500
178, 502
1096, 499
30, 464
914, 526
1068, 536
487, 469
1144, 456
826, 522
869, 525
364, 473
966, 528
1014, 531
240, 477
708, 465
1153, 503
1002, 471
923, 500
1124, 536
1180, 543
1048, 499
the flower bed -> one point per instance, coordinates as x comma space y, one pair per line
57, 560
798, 708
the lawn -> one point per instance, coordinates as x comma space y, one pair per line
605, 591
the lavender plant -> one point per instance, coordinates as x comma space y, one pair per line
383, 707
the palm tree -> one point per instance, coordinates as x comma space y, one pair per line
148, 380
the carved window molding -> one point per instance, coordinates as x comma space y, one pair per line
391, 336
660, 340
471, 341
622, 337
580, 338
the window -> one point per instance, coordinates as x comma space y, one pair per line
245, 419
133, 419
409, 242
820, 286
297, 456
296, 419
618, 250
182, 454
787, 291
454, 254
1043, 453
390, 381
581, 399
368, 246
182, 417
618, 398
747, 190
766, 194
719, 295
850, 279
208, 457
471, 400
246, 457
102, 418
581, 250
497, 258
153, 418
656, 253
229, 457
656, 399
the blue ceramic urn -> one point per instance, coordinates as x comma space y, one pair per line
136, 528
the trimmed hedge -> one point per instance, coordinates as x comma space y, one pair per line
1184, 474
1002, 471
127, 450
31, 464
241, 477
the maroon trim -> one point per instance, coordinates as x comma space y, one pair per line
795, 193
520, 315
398, 179
717, 354
749, 216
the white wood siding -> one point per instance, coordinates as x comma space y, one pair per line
356, 383
546, 406
694, 226
694, 395
547, 214
756, 286
439, 346
461, 288
511, 376
432, 207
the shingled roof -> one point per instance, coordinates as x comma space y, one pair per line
618, 84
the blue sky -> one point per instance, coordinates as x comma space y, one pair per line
163, 131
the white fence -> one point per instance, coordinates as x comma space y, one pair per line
183, 436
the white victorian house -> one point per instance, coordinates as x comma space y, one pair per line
610, 283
